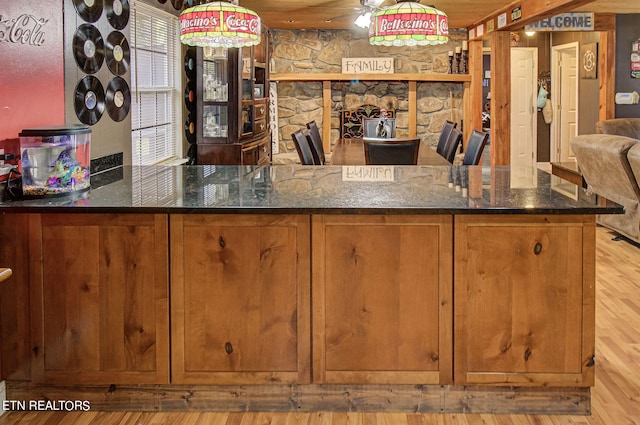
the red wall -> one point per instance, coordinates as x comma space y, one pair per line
31, 67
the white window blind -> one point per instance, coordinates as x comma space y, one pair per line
155, 81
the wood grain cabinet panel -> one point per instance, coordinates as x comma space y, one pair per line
240, 299
99, 288
524, 300
382, 304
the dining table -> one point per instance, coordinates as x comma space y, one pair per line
350, 151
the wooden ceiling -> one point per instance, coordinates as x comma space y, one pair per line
340, 14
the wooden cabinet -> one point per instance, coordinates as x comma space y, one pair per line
240, 299
232, 89
99, 298
381, 299
524, 300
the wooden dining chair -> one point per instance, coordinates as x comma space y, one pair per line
316, 144
444, 136
303, 147
391, 152
475, 147
453, 143
370, 125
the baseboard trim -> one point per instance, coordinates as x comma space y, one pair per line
312, 398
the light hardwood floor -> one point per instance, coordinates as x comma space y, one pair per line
615, 397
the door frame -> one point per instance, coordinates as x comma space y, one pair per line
556, 85
534, 114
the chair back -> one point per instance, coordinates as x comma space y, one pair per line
303, 147
372, 127
453, 142
475, 147
391, 152
316, 143
444, 136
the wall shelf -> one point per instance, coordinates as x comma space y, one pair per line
453, 78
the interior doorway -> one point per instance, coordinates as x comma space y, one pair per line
564, 124
524, 69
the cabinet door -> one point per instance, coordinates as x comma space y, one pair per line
382, 308
524, 300
240, 299
99, 307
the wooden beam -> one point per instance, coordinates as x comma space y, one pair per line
326, 116
413, 109
606, 24
530, 11
500, 98
473, 91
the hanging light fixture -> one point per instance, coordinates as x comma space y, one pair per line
408, 23
219, 24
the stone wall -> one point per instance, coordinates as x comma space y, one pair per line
321, 51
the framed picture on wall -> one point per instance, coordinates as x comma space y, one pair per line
635, 59
589, 61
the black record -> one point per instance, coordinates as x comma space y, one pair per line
88, 48
192, 154
117, 53
162, 1
118, 99
190, 62
88, 10
117, 13
177, 4
88, 100
190, 96
190, 128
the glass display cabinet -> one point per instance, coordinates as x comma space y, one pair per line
232, 105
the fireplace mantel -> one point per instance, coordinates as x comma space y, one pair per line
436, 77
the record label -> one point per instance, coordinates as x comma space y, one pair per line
118, 99
88, 10
88, 48
117, 13
89, 100
117, 53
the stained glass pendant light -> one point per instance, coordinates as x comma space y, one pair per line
408, 23
219, 24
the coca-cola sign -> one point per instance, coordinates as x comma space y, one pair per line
25, 29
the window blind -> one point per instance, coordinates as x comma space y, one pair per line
155, 82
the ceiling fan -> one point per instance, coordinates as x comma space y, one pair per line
367, 7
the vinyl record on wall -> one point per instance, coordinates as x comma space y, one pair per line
88, 48
117, 13
190, 128
117, 53
190, 96
118, 99
162, 1
177, 4
88, 10
190, 62
192, 154
88, 100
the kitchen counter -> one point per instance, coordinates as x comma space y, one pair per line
305, 288
327, 190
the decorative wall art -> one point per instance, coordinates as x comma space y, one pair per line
589, 61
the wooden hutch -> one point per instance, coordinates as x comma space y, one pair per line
232, 89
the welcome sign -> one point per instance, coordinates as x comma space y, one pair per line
564, 22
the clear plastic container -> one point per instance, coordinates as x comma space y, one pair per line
55, 160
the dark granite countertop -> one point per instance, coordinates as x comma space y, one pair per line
324, 189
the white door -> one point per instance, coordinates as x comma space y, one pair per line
565, 98
523, 110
